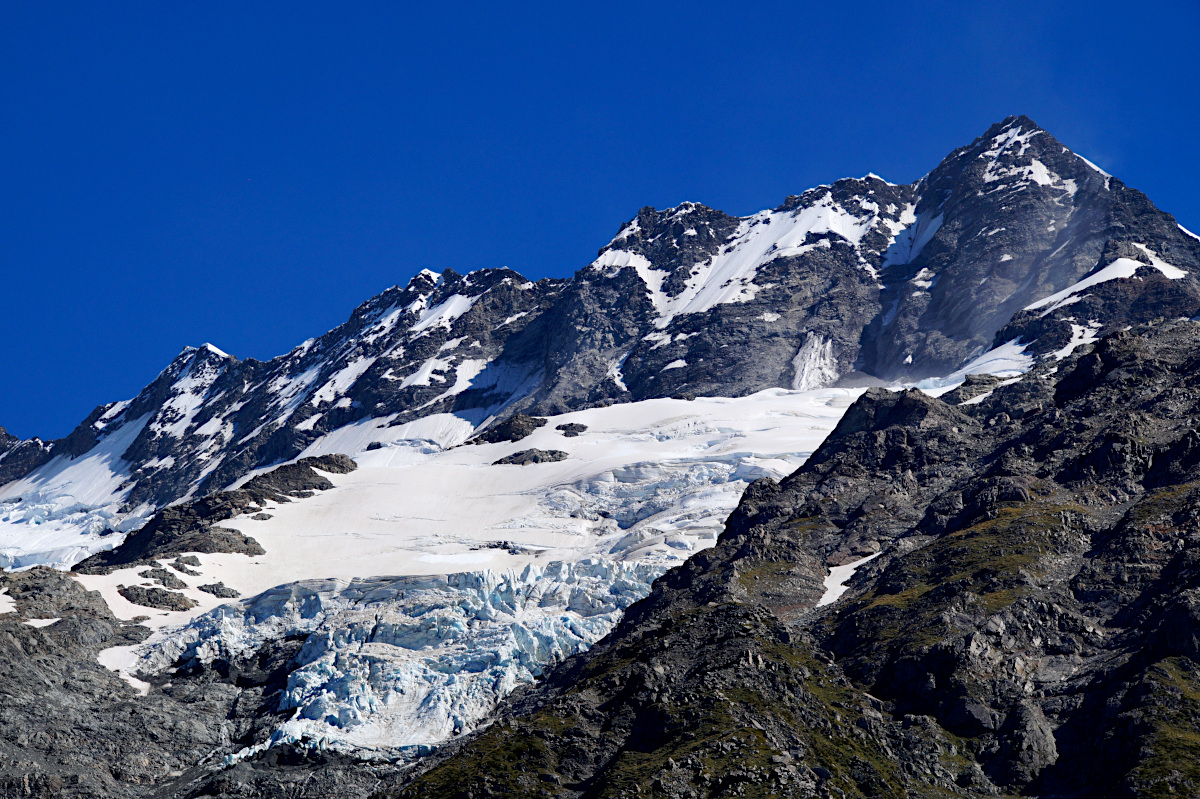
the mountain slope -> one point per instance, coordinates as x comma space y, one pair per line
1011, 219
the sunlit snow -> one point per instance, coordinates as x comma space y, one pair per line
546, 556
728, 276
839, 576
58, 514
1120, 268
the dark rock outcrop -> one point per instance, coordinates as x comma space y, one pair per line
219, 590
514, 428
157, 598
163, 578
528, 456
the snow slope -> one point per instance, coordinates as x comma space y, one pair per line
60, 513
729, 275
1119, 268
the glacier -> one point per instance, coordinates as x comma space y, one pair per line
530, 564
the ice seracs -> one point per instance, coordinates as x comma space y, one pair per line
66, 509
814, 365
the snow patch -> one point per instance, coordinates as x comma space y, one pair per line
444, 313
1120, 268
1080, 335
122, 660
464, 376
1172, 272
1007, 360
342, 380
1107, 177
839, 576
908, 241
432, 369
615, 374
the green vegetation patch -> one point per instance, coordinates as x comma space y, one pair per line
989, 564
1169, 763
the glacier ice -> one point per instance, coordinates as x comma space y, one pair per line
394, 665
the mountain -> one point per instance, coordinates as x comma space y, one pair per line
858, 281
601, 527
1005, 223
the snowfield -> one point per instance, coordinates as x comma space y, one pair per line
430, 582
489, 573
59, 514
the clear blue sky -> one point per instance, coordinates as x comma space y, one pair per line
247, 173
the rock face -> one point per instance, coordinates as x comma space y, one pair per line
18, 458
1006, 221
1029, 628
514, 428
157, 598
72, 728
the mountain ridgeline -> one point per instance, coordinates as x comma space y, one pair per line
856, 280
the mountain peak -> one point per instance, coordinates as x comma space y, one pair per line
424, 279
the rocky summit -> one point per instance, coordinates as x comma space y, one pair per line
887, 491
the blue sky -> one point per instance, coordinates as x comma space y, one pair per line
247, 173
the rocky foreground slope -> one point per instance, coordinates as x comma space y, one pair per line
1032, 626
